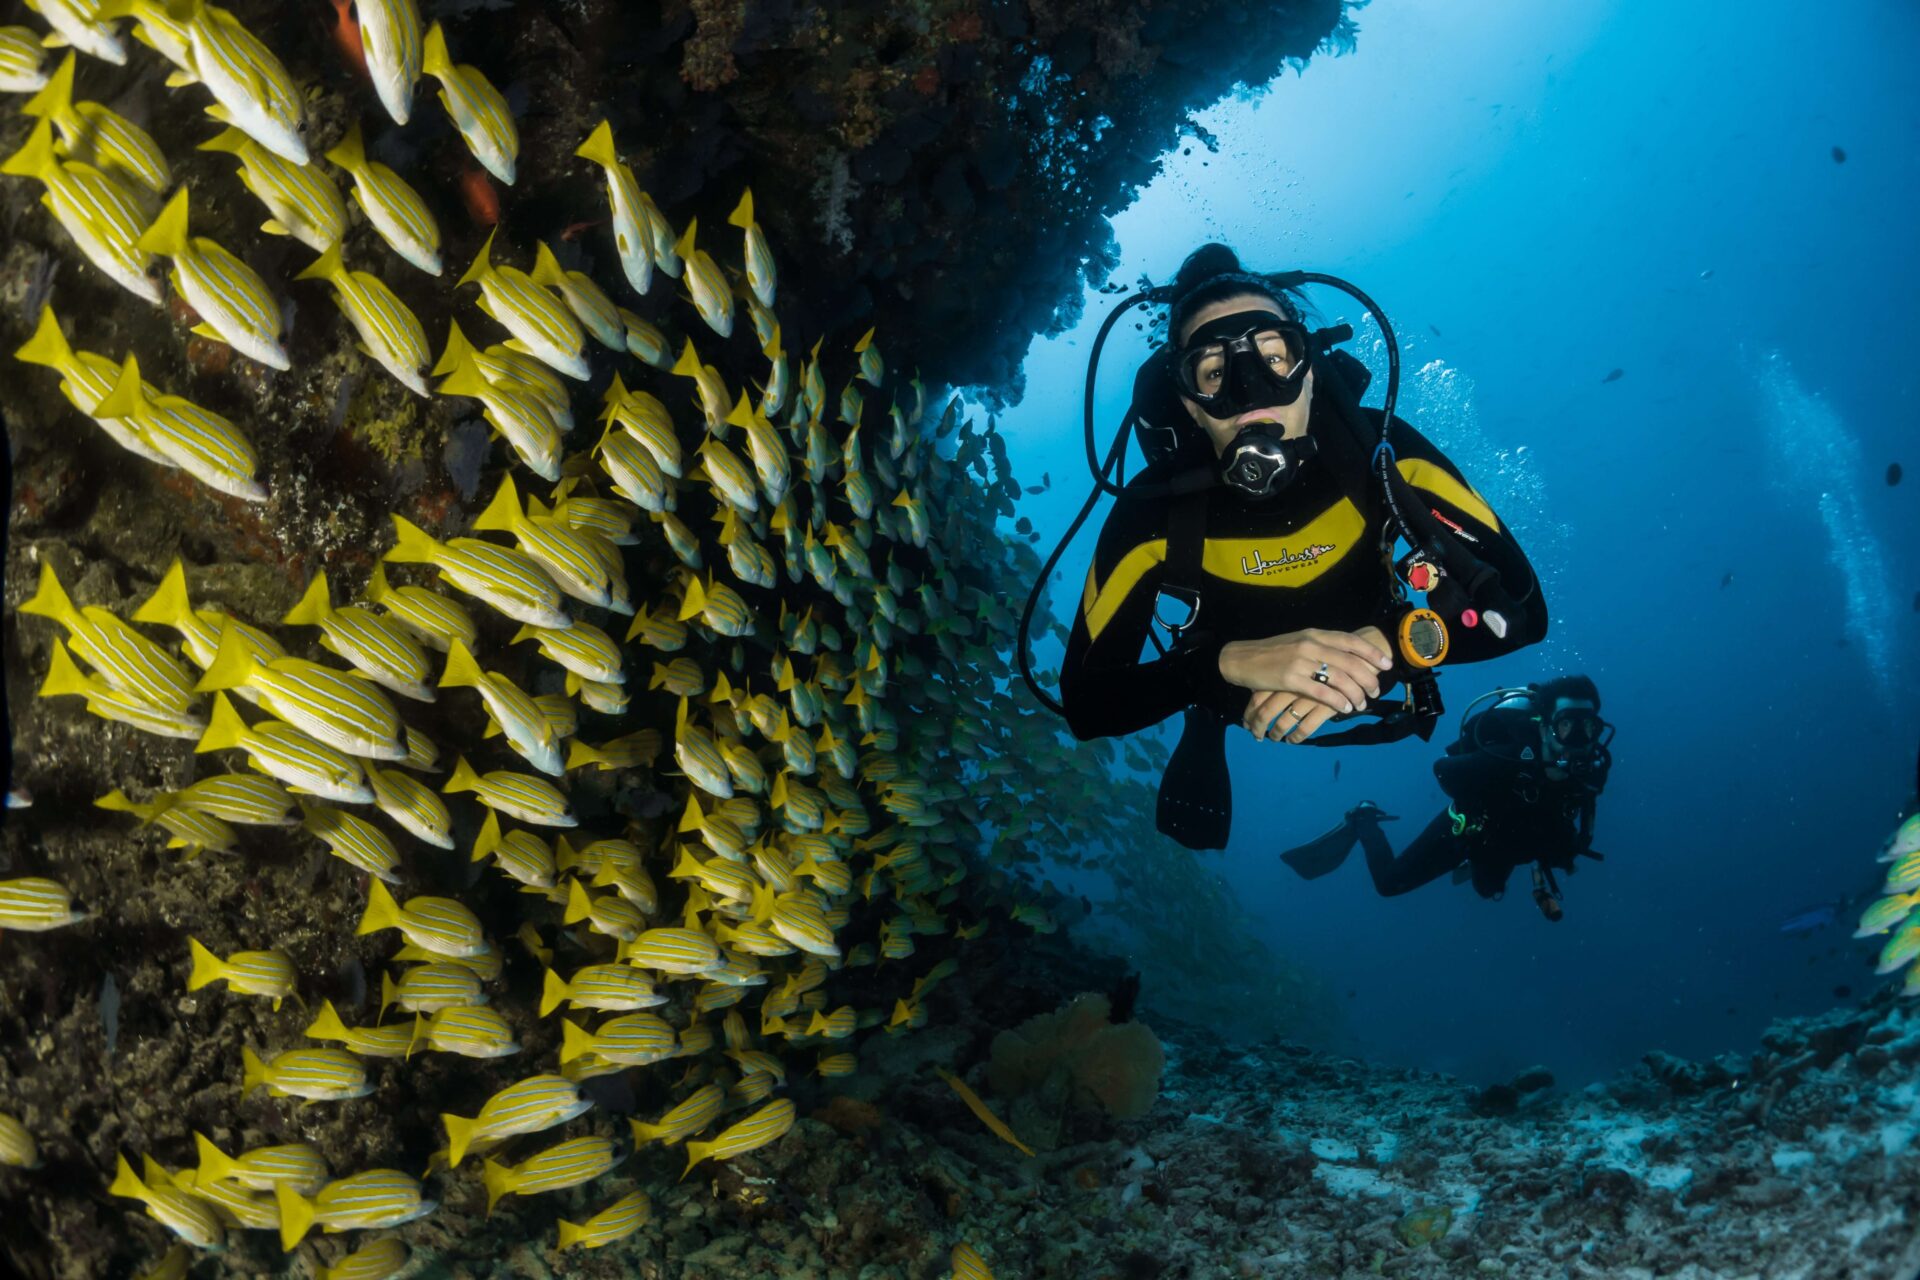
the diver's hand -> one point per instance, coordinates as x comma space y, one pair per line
1288, 701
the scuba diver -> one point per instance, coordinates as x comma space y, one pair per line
1262, 536
1521, 781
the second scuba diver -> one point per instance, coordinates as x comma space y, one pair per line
1522, 780
1266, 520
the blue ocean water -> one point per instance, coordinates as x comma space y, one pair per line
1717, 200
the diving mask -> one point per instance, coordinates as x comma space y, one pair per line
1241, 362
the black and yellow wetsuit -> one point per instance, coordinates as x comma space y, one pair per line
1310, 558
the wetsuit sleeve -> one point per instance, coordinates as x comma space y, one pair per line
1459, 507
1105, 685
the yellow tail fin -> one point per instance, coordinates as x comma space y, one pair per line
55, 99
599, 148
462, 671
63, 676
215, 1164
232, 664
36, 158
50, 600
412, 544
230, 140
579, 755
48, 346
207, 967
684, 245
458, 350
574, 1041
126, 1182
315, 607
225, 728
327, 1025
695, 599
349, 153
489, 838
696, 1152
503, 514
498, 1182
127, 397
579, 906
742, 215
325, 267
463, 779
377, 587
296, 1215
553, 993
168, 234
389, 993
382, 911
688, 365
465, 378
459, 1136
253, 1071
433, 56
168, 605
481, 262
570, 1235
546, 267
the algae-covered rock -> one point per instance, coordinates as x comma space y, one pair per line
1113, 1068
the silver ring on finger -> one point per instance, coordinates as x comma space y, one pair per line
1321, 674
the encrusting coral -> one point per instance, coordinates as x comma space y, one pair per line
1115, 1068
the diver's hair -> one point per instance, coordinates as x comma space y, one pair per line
1576, 688
1213, 272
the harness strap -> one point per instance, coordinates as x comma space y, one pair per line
1183, 575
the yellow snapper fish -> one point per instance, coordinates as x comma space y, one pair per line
873, 368
968, 1264
623, 195
645, 341
583, 297
569, 1164
284, 752
388, 329
81, 24
773, 396
537, 319
731, 478
614, 1223
536, 1103
591, 513
159, 30
200, 629
389, 203
718, 606
768, 1124
686, 1118
583, 649
589, 573
385, 1257
333, 707
633, 1039
706, 286
198, 441
518, 795
192, 1219
759, 258
253, 973
126, 659
352, 839
238, 797
428, 988
644, 417
509, 580
715, 402
376, 645
1886, 913
672, 949
302, 200
85, 380
191, 830
434, 619
412, 805
260, 1169
471, 1031
391, 1041
521, 854
519, 716
103, 217
610, 988
318, 1075
518, 413
440, 925
1904, 840
390, 35
98, 135
477, 109
606, 914
64, 677
768, 453
660, 631
251, 89
234, 304
33, 904
365, 1201
20, 61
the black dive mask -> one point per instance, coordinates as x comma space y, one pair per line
1248, 360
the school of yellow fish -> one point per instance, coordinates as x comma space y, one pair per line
708, 941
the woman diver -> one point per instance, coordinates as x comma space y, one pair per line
1268, 517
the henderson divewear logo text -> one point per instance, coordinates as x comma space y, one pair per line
1257, 565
